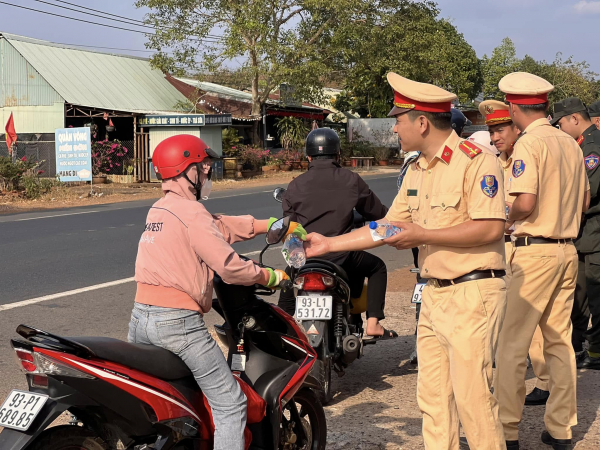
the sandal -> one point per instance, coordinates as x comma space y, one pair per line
387, 334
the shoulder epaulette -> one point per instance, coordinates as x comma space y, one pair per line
470, 149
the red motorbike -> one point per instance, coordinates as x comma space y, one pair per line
140, 397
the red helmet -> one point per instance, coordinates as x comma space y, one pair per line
175, 154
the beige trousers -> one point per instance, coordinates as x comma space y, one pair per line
457, 337
540, 292
536, 349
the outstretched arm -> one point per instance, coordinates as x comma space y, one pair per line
318, 245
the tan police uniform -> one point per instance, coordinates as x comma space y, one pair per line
460, 320
496, 112
549, 164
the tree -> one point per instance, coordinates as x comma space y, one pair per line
408, 38
570, 78
281, 40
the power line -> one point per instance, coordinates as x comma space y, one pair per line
88, 21
98, 11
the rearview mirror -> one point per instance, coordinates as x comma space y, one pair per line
278, 230
278, 194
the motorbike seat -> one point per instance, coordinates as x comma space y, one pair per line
314, 263
151, 360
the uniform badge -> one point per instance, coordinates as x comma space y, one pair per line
447, 154
489, 109
470, 149
518, 168
489, 185
580, 139
591, 161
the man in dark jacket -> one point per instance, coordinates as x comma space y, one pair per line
323, 201
573, 118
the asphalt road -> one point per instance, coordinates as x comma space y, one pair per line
52, 252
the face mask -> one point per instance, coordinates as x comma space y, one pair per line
205, 191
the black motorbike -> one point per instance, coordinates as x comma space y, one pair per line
329, 313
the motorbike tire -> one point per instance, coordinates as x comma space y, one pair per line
323, 368
311, 406
67, 437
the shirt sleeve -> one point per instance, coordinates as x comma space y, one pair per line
483, 188
210, 246
368, 204
399, 212
286, 203
524, 176
235, 228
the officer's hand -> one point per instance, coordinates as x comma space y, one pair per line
276, 277
316, 245
507, 225
411, 236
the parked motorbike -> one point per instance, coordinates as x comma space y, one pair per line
329, 315
141, 397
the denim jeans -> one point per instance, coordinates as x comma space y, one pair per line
184, 333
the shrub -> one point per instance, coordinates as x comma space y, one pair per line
252, 157
108, 157
12, 172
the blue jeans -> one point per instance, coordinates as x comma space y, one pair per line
184, 333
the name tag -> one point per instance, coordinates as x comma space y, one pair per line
411, 192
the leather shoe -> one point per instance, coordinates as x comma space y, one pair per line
537, 397
510, 445
557, 444
588, 362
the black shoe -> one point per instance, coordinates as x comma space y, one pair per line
537, 397
510, 445
557, 444
588, 362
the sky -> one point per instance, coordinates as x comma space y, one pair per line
540, 28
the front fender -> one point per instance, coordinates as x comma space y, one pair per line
19, 440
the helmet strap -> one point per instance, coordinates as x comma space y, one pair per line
197, 186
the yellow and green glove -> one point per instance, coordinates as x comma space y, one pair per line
295, 228
276, 277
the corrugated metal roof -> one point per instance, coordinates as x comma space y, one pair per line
99, 80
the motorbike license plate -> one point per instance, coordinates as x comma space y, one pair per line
417, 293
310, 307
20, 409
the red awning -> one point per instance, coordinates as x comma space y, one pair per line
315, 116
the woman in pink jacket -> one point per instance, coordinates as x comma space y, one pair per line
181, 248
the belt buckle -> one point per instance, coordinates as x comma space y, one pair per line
435, 283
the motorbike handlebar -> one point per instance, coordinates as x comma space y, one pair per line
286, 284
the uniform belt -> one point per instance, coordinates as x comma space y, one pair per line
507, 238
475, 275
527, 240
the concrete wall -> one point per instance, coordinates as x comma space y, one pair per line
34, 119
211, 135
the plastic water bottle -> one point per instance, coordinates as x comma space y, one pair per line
293, 251
382, 230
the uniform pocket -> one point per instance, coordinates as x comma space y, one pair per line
413, 208
172, 335
133, 324
444, 209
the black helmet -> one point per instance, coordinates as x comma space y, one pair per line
322, 141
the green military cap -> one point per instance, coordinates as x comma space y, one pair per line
565, 107
594, 109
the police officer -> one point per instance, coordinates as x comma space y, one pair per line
451, 206
503, 134
550, 191
594, 112
572, 117
323, 200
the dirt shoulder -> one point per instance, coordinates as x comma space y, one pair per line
375, 405
67, 196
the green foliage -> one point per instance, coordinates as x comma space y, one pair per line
570, 78
231, 142
408, 38
35, 186
292, 132
12, 172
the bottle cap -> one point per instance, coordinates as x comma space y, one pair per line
373, 225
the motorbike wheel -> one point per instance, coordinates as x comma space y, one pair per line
304, 410
323, 368
68, 437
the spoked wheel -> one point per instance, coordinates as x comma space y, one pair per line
68, 437
303, 423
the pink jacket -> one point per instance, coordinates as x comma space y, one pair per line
183, 245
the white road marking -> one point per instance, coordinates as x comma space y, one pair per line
57, 215
95, 287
